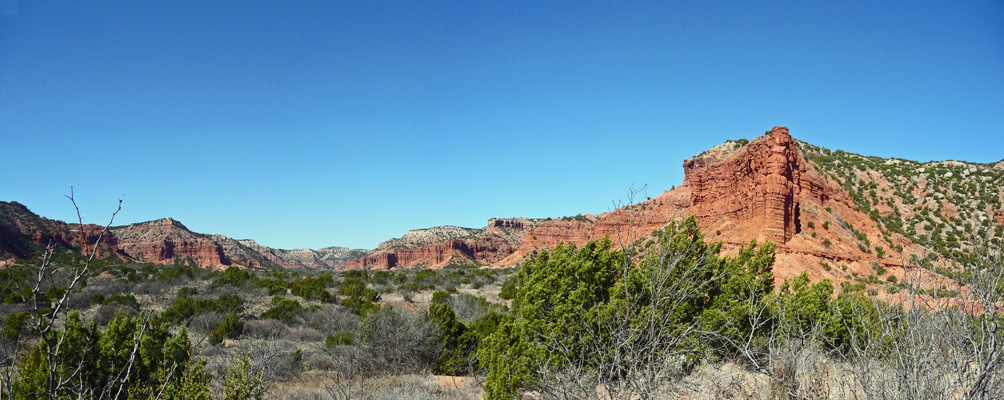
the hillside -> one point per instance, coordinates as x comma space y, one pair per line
445, 245
24, 234
167, 241
833, 214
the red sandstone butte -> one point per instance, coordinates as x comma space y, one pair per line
165, 240
758, 187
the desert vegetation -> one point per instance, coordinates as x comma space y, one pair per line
667, 316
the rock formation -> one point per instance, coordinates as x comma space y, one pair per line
441, 246
834, 214
166, 241
759, 187
23, 234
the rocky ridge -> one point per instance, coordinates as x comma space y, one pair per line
167, 241
445, 245
762, 189
834, 214
24, 234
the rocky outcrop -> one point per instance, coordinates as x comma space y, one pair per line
166, 241
999, 217
623, 225
441, 246
250, 253
759, 187
763, 189
23, 234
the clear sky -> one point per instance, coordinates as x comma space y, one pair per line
347, 123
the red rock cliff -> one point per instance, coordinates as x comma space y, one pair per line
758, 187
163, 240
17, 222
442, 246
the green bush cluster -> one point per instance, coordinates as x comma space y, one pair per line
184, 308
105, 361
340, 338
230, 327
565, 298
283, 309
359, 299
315, 288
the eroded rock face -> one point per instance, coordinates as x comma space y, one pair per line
623, 225
441, 246
759, 187
165, 241
20, 229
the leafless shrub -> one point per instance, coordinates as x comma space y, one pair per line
469, 308
931, 347
334, 318
105, 313
203, 323
305, 394
265, 329
79, 301
318, 359
402, 387
108, 287
400, 340
305, 334
212, 352
151, 288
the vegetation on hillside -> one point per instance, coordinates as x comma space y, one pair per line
650, 319
943, 206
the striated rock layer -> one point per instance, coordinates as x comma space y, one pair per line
23, 234
623, 225
441, 246
759, 187
763, 190
167, 241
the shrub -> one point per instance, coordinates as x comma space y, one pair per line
314, 288
457, 341
98, 298
98, 360
229, 328
577, 311
285, 310
14, 325
333, 318
440, 297
235, 277
355, 287
360, 307
399, 341
127, 300
184, 308
508, 288
187, 292
340, 338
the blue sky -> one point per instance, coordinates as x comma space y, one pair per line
348, 123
